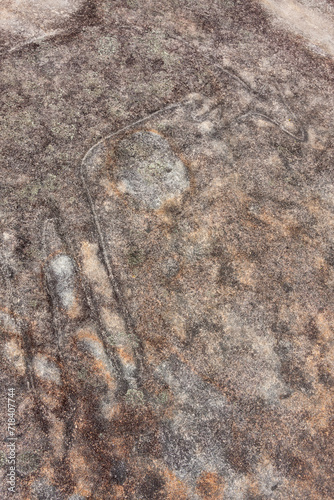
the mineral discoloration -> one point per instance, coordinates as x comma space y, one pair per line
167, 249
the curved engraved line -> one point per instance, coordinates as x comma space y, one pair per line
138, 353
276, 123
38, 39
246, 86
231, 75
303, 133
106, 259
91, 203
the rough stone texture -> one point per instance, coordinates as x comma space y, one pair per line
146, 168
167, 249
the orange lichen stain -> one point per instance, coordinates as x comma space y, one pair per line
57, 437
277, 226
80, 473
118, 445
118, 492
94, 270
245, 270
109, 186
125, 354
178, 326
47, 469
100, 358
51, 399
253, 489
14, 354
320, 263
115, 325
113, 412
74, 311
325, 324
318, 408
210, 486
174, 488
322, 415
103, 369
113, 320
87, 334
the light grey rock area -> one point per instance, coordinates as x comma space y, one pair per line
147, 168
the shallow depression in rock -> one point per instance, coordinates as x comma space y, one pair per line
147, 168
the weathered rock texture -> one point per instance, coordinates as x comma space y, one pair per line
167, 249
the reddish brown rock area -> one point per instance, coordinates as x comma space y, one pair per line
167, 250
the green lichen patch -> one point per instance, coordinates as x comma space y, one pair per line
28, 462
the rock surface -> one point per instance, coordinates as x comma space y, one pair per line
167, 249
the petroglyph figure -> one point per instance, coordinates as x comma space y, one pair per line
166, 304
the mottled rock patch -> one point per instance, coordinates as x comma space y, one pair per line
147, 168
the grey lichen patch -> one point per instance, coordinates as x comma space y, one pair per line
14, 353
135, 257
28, 462
170, 267
31, 191
270, 479
61, 268
44, 490
3, 459
88, 378
149, 170
107, 46
163, 398
184, 440
46, 369
7, 323
134, 397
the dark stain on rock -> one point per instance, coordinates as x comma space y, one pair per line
330, 257
294, 376
23, 246
152, 487
312, 331
325, 376
293, 465
148, 443
157, 64
281, 329
119, 471
226, 273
